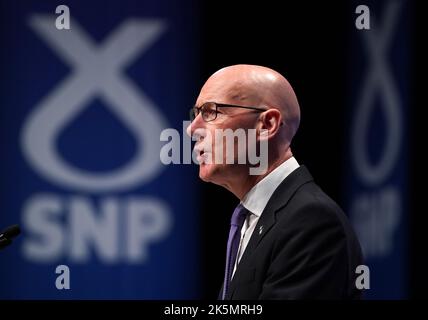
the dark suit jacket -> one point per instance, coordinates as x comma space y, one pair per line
303, 247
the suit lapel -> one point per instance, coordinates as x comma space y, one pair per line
267, 220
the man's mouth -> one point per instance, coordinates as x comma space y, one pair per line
200, 157
200, 153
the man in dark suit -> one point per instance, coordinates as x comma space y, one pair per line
288, 239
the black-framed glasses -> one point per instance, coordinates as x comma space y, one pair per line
209, 110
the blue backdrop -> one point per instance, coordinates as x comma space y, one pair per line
81, 114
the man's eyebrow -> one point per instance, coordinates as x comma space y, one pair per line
196, 105
200, 105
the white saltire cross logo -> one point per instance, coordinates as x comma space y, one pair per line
96, 71
379, 79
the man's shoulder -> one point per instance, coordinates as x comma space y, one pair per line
298, 200
310, 205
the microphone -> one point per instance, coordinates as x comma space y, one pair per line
8, 234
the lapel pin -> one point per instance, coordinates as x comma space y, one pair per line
260, 229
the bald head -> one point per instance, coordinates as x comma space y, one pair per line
253, 85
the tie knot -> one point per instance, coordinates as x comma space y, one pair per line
238, 216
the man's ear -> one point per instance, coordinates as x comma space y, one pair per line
269, 124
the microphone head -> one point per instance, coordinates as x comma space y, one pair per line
11, 231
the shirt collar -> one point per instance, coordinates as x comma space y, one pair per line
257, 198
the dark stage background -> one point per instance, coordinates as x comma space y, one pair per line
316, 46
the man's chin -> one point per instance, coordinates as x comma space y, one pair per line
204, 172
207, 172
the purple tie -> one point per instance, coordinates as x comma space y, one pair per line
236, 223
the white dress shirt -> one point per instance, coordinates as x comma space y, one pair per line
257, 198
